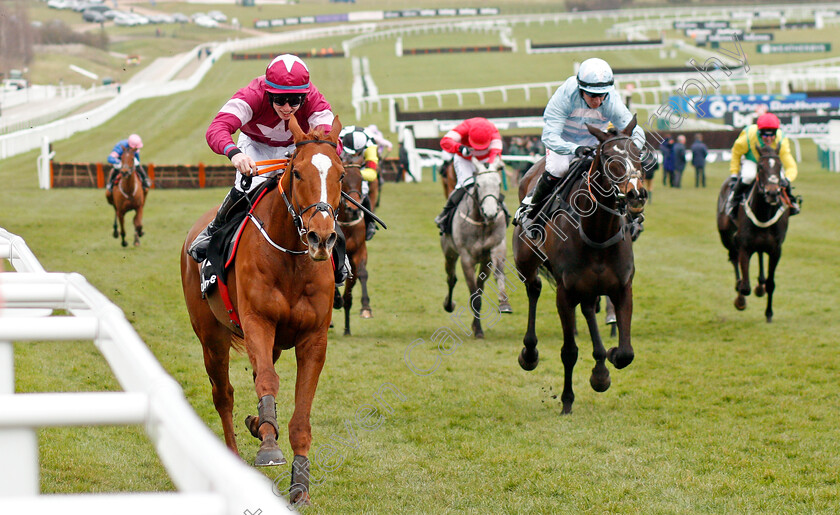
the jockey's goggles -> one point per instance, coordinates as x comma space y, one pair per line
596, 95
767, 133
293, 99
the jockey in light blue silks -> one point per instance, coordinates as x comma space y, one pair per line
586, 98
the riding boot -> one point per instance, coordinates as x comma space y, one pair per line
442, 220
339, 256
530, 204
795, 200
736, 196
111, 179
370, 224
198, 248
144, 177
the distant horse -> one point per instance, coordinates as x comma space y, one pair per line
280, 297
127, 195
587, 251
760, 226
352, 222
448, 178
478, 239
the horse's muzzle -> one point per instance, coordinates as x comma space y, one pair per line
320, 248
636, 199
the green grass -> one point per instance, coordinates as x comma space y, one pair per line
720, 411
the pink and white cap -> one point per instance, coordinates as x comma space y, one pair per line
287, 74
134, 141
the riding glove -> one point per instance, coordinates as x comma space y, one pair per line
465, 150
583, 150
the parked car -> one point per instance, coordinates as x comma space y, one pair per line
219, 16
93, 16
161, 18
206, 21
180, 18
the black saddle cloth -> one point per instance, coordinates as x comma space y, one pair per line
223, 242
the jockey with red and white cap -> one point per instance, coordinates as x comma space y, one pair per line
473, 138
261, 111
133, 141
764, 133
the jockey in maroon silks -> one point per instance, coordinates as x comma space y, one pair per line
261, 111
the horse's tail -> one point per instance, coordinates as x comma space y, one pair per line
546, 274
238, 343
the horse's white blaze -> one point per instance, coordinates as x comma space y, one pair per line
772, 162
322, 163
635, 182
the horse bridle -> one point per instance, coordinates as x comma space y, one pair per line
125, 171
615, 192
296, 213
478, 200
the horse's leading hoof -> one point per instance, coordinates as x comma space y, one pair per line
366, 313
759, 290
740, 303
125, 244
449, 308
346, 331
619, 359
600, 379
479, 335
529, 365
504, 307
269, 454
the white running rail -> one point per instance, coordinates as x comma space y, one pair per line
210, 479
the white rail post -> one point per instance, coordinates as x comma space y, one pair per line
44, 164
18, 446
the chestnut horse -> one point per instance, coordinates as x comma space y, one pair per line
281, 286
127, 195
587, 251
352, 222
760, 226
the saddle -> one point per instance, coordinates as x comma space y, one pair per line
223, 244
557, 200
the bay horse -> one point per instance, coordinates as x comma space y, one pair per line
280, 285
448, 178
587, 251
352, 222
760, 225
129, 196
478, 238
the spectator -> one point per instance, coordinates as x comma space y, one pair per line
699, 151
678, 151
649, 167
666, 147
517, 148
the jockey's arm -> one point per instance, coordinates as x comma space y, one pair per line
371, 159
740, 148
788, 162
556, 114
116, 153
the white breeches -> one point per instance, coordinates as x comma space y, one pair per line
464, 170
557, 164
259, 152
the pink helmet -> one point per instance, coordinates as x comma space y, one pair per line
134, 141
768, 121
481, 135
287, 74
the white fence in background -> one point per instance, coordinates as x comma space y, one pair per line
210, 479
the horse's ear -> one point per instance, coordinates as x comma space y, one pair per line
335, 130
628, 131
598, 133
294, 127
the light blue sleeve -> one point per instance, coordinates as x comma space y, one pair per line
556, 113
119, 148
620, 116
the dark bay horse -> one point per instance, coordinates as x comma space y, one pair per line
478, 239
448, 178
587, 251
127, 195
760, 226
352, 222
281, 286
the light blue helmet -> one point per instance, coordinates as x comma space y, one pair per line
595, 76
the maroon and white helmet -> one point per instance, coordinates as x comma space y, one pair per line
287, 73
